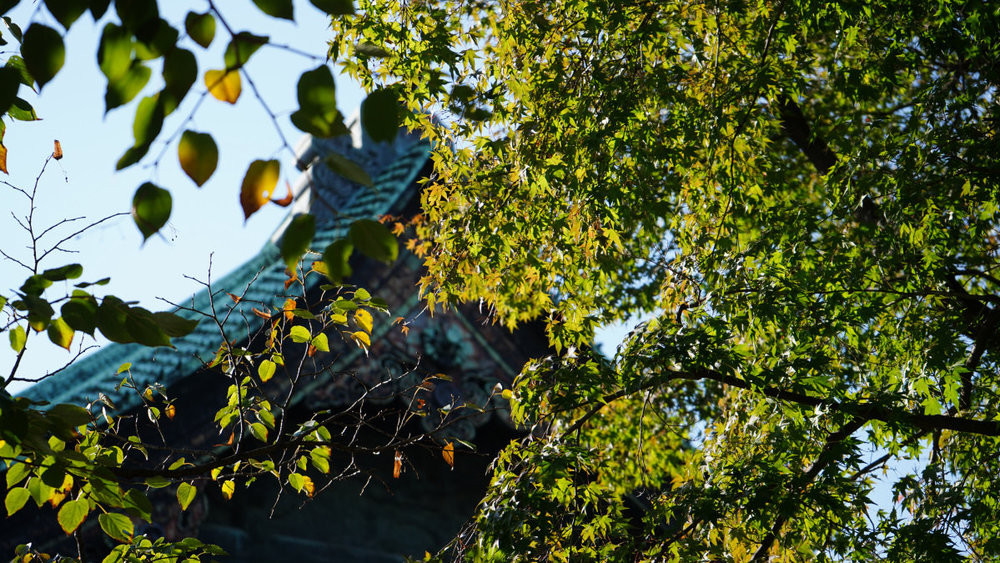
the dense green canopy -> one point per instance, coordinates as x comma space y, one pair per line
805, 192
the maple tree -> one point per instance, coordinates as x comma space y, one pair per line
802, 193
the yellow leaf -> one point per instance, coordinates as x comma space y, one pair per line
148, 393
362, 339
288, 307
448, 453
364, 320
228, 488
60, 333
308, 486
225, 86
258, 185
170, 411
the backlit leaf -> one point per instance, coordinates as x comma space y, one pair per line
266, 370
374, 239
126, 87
60, 333
397, 465
276, 8
114, 53
173, 324
72, 514
321, 342
224, 85
336, 258
80, 313
297, 238
180, 71
258, 185
380, 114
43, 52
317, 114
300, 334
448, 453
117, 526
66, 11
335, 7
228, 488
241, 47
151, 208
16, 499
198, 155
18, 336
362, 339
348, 169
185, 494
200, 28
364, 320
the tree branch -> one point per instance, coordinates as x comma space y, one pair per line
796, 126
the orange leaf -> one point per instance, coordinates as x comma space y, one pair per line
405, 330
57, 150
292, 277
261, 314
397, 466
225, 86
448, 453
258, 185
311, 351
235, 298
170, 411
287, 200
288, 307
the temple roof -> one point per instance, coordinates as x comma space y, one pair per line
334, 200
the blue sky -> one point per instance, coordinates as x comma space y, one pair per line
206, 221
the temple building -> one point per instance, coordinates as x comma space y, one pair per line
377, 517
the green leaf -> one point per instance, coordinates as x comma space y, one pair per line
67, 272
72, 514
380, 114
15, 500
296, 481
60, 333
180, 70
139, 17
39, 312
155, 40
174, 325
300, 334
148, 120
362, 294
297, 238
17, 338
22, 111
276, 8
123, 89
66, 11
321, 342
185, 494
241, 47
259, 431
10, 83
374, 239
117, 526
17, 63
198, 155
348, 169
80, 313
43, 52
69, 415
335, 7
200, 28
151, 209
336, 257
35, 285
266, 370
318, 114
114, 52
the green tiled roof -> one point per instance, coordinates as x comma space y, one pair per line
393, 167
